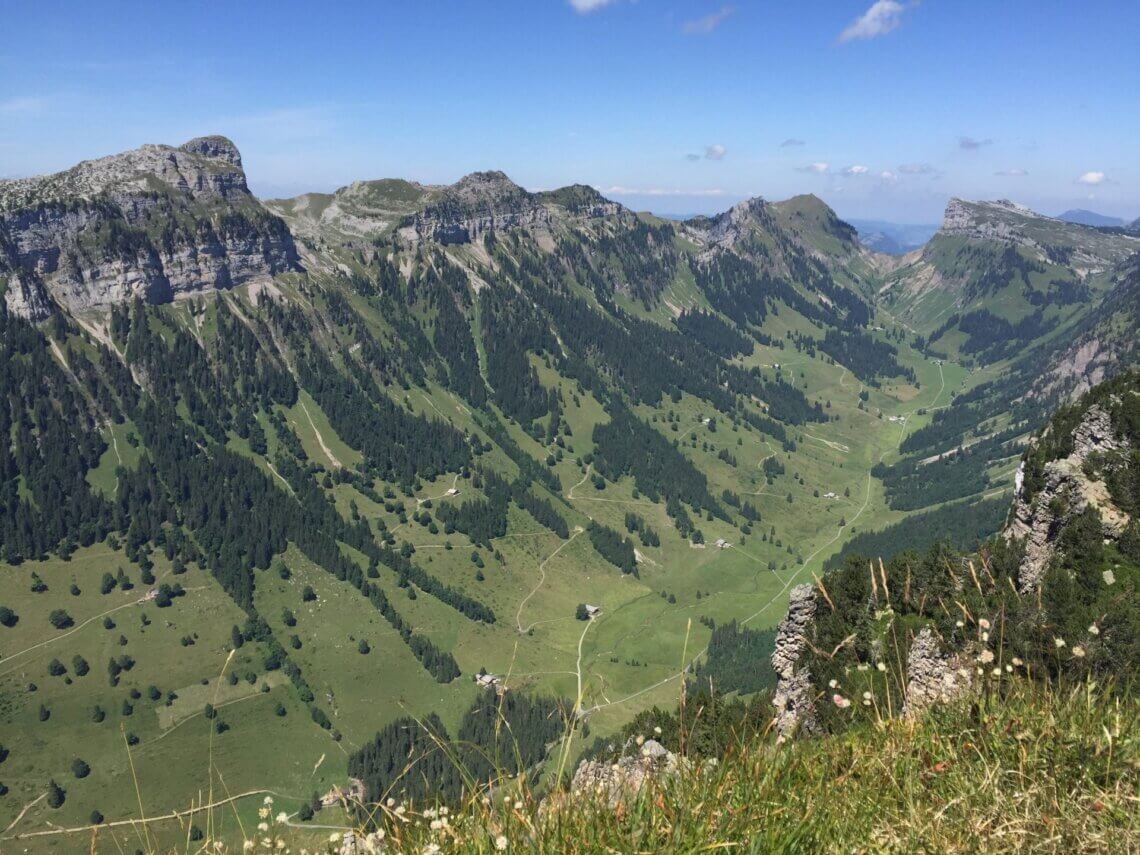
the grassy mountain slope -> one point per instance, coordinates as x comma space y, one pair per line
409, 455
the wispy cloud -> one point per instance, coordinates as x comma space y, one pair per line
888, 176
792, 142
692, 158
23, 105
1092, 178
1011, 173
883, 17
618, 190
704, 26
715, 152
917, 169
856, 170
584, 7
819, 168
970, 144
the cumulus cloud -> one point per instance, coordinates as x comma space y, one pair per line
819, 168
715, 152
883, 17
792, 142
1011, 173
1092, 178
705, 25
856, 170
619, 190
887, 175
970, 144
584, 7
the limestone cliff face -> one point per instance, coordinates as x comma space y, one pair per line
1067, 491
476, 204
793, 698
934, 676
153, 223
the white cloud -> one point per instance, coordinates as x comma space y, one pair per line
705, 25
1092, 178
584, 7
970, 144
792, 142
1011, 173
887, 175
856, 170
880, 19
917, 169
715, 152
618, 190
819, 168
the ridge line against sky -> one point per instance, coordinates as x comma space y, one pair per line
884, 109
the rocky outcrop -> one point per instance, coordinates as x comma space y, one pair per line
793, 698
476, 204
934, 677
611, 783
25, 297
155, 223
1067, 491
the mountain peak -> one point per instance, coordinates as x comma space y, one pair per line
214, 146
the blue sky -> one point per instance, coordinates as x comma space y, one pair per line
885, 109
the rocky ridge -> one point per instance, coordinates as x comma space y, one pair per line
155, 223
1068, 490
793, 698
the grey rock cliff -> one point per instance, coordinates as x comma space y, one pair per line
155, 223
933, 677
793, 698
610, 783
1066, 493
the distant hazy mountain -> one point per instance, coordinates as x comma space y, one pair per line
1089, 218
892, 238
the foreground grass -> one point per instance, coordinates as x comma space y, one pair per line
1035, 770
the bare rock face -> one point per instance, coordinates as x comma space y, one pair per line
476, 204
793, 698
611, 783
1068, 491
153, 223
25, 297
933, 677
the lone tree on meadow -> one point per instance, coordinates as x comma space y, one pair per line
580, 613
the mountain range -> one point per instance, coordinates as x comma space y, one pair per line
303, 472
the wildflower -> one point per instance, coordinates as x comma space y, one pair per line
443, 811
518, 805
986, 657
963, 673
400, 810
1094, 629
1016, 660
983, 624
247, 845
881, 666
840, 701
866, 702
831, 684
280, 844
866, 696
640, 739
959, 624
334, 837
1079, 652
996, 672
268, 800
431, 849
501, 843
436, 824
282, 817
263, 826
985, 637
656, 730
1009, 669
1058, 643
1109, 577
862, 666
263, 812
391, 802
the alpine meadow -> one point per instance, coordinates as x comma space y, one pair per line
479, 511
